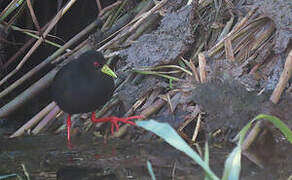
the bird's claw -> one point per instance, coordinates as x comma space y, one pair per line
114, 120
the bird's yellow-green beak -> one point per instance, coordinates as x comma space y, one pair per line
105, 69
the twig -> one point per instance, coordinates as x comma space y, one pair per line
106, 9
169, 102
25, 171
98, 5
264, 36
202, 67
29, 33
50, 27
46, 120
135, 106
226, 29
157, 74
33, 121
50, 58
22, 49
34, 19
10, 8
38, 86
116, 13
238, 27
156, 106
194, 70
136, 22
145, 26
198, 125
285, 76
18, 13
189, 120
39, 41
141, 18
250, 138
229, 50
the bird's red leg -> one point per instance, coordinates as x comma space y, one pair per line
114, 120
69, 129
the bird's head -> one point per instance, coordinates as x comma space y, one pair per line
97, 60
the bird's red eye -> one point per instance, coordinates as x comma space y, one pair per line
96, 64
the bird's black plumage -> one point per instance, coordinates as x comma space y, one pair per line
84, 85
80, 86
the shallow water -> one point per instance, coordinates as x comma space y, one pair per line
48, 156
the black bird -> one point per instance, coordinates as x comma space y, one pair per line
84, 85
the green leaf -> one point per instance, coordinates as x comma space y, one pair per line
232, 165
278, 123
206, 159
170, 84
150, 170
166, 132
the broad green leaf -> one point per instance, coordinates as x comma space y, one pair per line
166, 132
206, 159
232, 165
278, 123
150, 170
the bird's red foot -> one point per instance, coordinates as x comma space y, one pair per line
114, 120
69, 131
